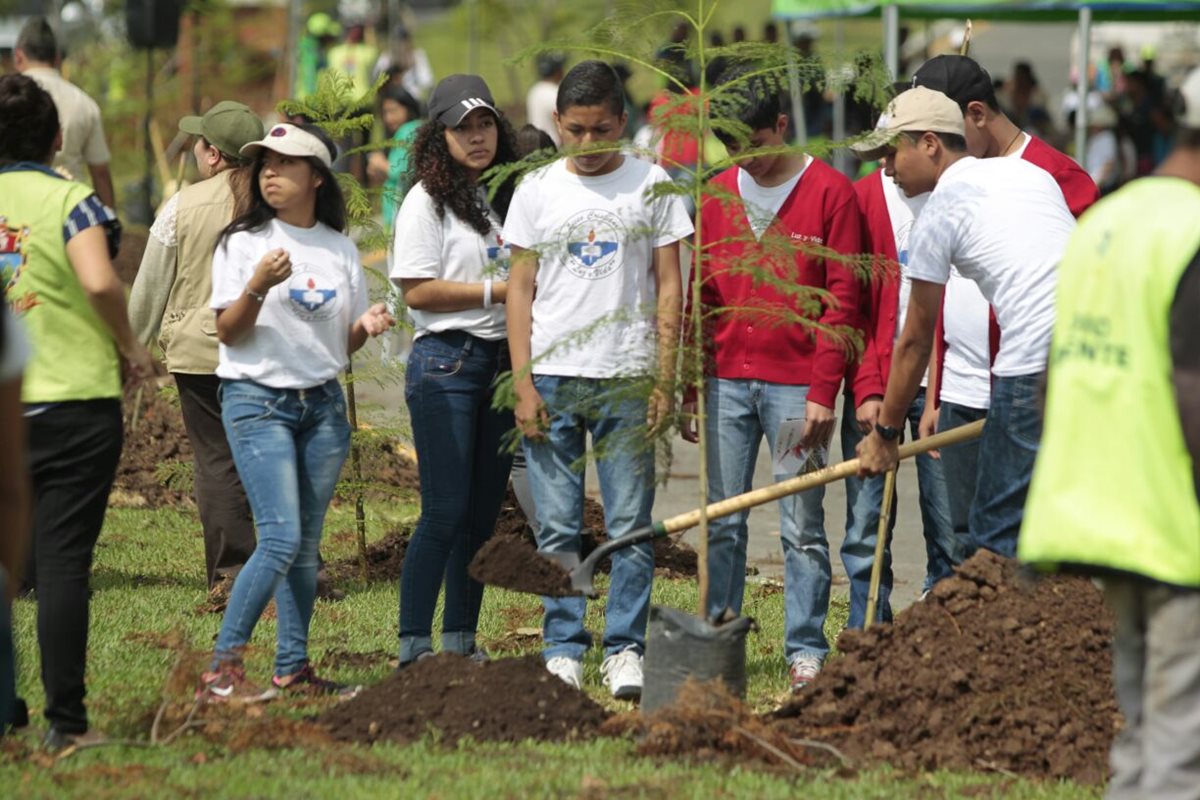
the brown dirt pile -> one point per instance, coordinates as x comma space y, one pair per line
155, 467
385, 559
708, 722
506, 700
990, 671
513, 563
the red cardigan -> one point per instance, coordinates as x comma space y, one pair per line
751, 343
871, 377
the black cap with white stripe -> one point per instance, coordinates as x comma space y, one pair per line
458, 95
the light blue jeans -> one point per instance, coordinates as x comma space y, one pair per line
289, 446
943, 548
613, 411
739, 413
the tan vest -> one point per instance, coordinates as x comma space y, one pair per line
189, 326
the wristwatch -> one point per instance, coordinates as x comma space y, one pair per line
887, 433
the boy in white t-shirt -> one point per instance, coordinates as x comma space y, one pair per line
1004, 224
594, 352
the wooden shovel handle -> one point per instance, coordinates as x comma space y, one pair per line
835, 472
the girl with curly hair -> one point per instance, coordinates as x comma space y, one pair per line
452, 265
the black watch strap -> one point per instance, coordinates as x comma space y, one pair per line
887, 433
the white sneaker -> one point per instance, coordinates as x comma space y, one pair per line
568, 670
623, 674
803, 670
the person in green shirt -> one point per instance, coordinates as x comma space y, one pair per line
56, 244
1116, 488
401, 116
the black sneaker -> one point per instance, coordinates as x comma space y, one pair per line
57, 741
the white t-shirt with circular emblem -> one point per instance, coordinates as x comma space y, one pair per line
596, 304
303, 328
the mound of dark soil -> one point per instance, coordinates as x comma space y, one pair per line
156, 461
154, 436
385, 559
989, 671
513, 563
506, 700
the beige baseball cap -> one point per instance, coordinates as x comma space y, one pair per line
918, 109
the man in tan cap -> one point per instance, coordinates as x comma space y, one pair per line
1002, 223
171, 293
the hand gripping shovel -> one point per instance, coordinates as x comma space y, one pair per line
582, 575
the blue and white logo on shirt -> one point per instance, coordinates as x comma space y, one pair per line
499, 257
593, 240
312, 296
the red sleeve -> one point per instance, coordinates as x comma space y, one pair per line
843, 235
1078, 190
865, 378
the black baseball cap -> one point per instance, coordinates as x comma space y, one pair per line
958, 77
459, 95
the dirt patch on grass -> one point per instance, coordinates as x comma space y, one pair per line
513, 563
155, 470
706, 722
385, 559
506, 700
989, 672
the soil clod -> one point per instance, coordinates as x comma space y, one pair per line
513, 563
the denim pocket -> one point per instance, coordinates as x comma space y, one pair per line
436, 367
1025, 415
240, 410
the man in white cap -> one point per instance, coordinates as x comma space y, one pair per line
1003, 224
1117, 488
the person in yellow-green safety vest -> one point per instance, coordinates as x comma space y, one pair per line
1116, 487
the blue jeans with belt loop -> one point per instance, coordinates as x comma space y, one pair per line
463, 466
613, 411
289, 446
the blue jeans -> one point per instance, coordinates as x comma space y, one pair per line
739, 413
463, 468
960, 465
289, 446
613, 411
1007, 451
943, 549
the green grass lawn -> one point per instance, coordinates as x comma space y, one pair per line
148, 584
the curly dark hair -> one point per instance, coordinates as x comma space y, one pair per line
446, 181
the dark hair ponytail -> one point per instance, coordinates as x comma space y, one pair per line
330, 206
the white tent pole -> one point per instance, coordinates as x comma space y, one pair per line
798, 120
1085, 60
891, 39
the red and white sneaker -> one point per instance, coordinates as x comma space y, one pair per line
308, 683
803, 670
227, 684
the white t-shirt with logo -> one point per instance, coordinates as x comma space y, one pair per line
448, 249
1004, 224
762, 203
300, 337
595, 308
902, 212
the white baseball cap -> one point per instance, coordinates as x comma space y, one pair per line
1190, 93
291, 141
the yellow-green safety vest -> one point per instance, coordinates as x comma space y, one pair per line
1112, 488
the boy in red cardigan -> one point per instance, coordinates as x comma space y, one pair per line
766, 219
888, 217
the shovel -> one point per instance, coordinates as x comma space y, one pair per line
583, 573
